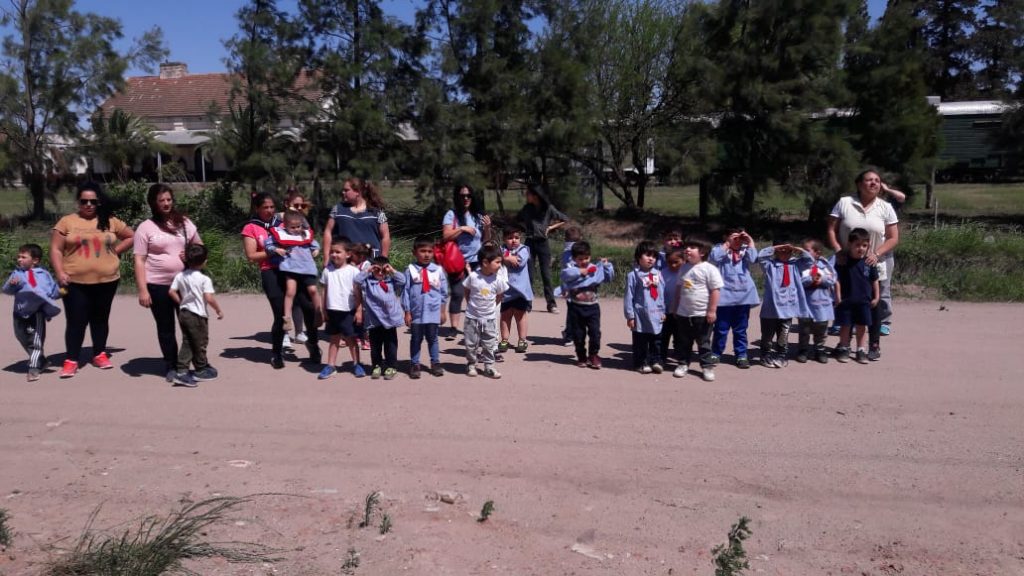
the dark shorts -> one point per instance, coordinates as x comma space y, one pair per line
853, 314
517, 304
302, 280
341, 322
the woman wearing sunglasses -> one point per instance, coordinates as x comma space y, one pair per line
85, 250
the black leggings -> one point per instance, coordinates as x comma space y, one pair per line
88, 305
273, 286
164, 312
540, 253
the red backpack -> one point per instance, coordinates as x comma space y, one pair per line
448, 256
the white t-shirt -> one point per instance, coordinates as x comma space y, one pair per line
339, 283
852, 214
192, 286
696, 281
481, 293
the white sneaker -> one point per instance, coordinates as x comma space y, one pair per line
490, 372
708, 375
471, 371
300, 338
656, 368
287, 343
645, 369
680, 371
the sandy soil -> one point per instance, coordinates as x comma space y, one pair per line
913, 465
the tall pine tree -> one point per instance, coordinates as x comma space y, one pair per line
948, 30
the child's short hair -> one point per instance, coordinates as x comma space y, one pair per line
858, 235
380, 261
489, 253
35, 251
293, 217
674, 253
344, 242
195, 255
422, 242
573, 234
673, 232
511, 229
733, 230
815, 244
645, 248
360, 250
700, 242
580, 248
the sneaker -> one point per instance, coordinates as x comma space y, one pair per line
743, 363
415, 372
436, 369
645, 369
471, 371
780, 360
183, 379
300, 338
822, 357
102, 361
503, 346
69, 369
364, 344
842, 354
713, 359
708, 374
169, 377
885, 330
768, 361
657, 368
33, 374
834, 330
358, 371
390, 373
801, 356
594, 362
680, 371
204, 374
452, 334
490, 372
552, 308
499, 357
277, 362
287, 343
581, 363
287, 324
375, 374
875, 354
326, 372
521, 346
862, 356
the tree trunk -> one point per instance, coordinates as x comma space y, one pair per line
929, 191
37, 186
641, 189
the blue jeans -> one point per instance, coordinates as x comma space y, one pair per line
419, 332
735, 318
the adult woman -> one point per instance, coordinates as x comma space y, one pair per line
159, 245
539, 218
468, 228
867, 210
254, 236
85, 250
359, 217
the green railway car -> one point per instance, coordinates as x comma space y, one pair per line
970, 151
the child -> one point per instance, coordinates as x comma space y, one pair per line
670, 276
192, 291
573, 234
644, 307
484, 289
671, 241
424, 303
581, 280
359, 256
696, 307
379, 308
818, 281
518, 300
784, 299
338, 279
857, 292
295, 200
739, 293
295, 250
35, 293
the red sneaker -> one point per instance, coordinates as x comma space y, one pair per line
69, 369
102, 361
595, 362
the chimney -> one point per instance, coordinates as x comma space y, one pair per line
170, 70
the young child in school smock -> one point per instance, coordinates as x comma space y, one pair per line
644, 308
819, 281
734, 257
193, 292
784, 299
670, 275
670, 242
485, 288
581, 279
379, 309
573, 234
696, 307
858, 290
35, 302
518, 300
293, 246
359, 256
338, 278
424, 303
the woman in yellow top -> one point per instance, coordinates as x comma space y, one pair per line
85, 250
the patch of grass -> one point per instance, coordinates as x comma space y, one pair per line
370, 506
973, 200
6, 534
158, 545
351, 562
385, 523
486, 511
731, 559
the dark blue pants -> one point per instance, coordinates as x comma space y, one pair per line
691, 330
586, 321
735, 318
419, 332
646, 349
384, 347
540, 252
164, 312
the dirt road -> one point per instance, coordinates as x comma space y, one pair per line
912, 465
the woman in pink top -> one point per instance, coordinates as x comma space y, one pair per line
159, 245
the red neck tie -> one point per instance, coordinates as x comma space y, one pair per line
735, 256
785, 275
31, 278
425, 279
814, 270
654, 287
384, 285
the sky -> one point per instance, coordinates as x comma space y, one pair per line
195, 30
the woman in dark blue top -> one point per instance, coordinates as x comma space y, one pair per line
539, 218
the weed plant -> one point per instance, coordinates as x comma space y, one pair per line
370, 506
385, 523
6, 534
486, 511
348, 567
731, 559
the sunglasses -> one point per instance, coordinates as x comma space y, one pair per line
88, 202
466, 195
300, 206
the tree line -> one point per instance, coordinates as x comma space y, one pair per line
735, 93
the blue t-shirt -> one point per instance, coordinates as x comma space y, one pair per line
469, 244
856, 279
